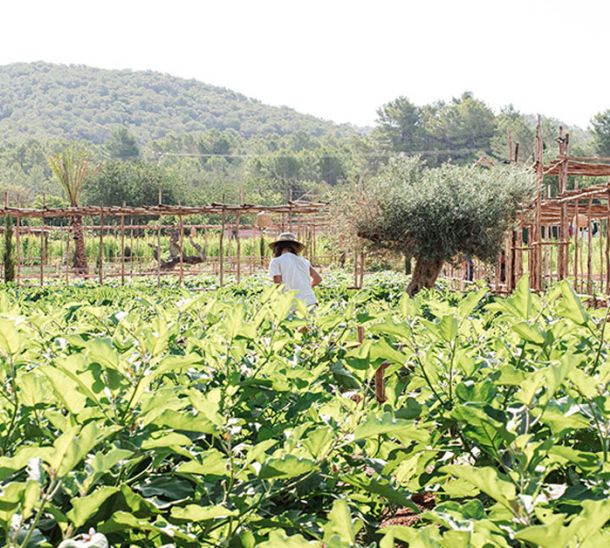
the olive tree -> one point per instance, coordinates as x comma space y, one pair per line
438, 215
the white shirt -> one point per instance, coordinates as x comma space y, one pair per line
294, 271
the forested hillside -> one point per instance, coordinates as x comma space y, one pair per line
83, 103
146, 131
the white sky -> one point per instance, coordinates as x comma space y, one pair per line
338, 59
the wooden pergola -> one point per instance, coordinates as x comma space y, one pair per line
567, 226
233, 222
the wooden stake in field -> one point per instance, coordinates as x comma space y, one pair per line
159, 243
238, 256
535, 238
100, 255
589, 248
42, 246
68, 234
18, 250
181, 245
221, 248
123, 249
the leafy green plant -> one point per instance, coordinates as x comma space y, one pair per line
150, 416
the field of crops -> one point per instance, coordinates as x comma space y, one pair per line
166, 417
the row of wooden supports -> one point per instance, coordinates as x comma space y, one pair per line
553, 217
307, 230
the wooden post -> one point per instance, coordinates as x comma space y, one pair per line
221, 248
181, 246
564, 236
68, 231
160, 200
601, 255
131, 255
123, 248
608, 244
238, 256
589, 249
159, 253
380, 383
535, 238
42, 229
314, 250
576, 255
42, 247
18, 250
100, 261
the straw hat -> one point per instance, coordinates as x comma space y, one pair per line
287, 237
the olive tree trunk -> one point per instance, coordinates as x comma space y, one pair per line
80, 254
425, 273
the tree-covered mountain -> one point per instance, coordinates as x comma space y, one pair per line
77, 102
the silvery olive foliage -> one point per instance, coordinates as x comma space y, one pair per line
440, 213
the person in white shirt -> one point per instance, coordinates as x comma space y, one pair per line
289, 268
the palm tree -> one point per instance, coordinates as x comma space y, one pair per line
70, 168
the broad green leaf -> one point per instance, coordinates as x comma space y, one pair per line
448, 327
65, 389
124, 521
212, 463
340, 525
570, 306
196, 513
487, 480
166, 439
319, 441
11, 341
375, 426
279, 539
287, 466
73, 446
529, 332
85, 507
554, 533
185, 421
102, 351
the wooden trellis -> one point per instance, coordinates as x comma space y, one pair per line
309, 219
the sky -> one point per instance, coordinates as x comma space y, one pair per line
340, 60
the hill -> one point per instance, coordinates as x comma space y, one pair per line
78, 102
